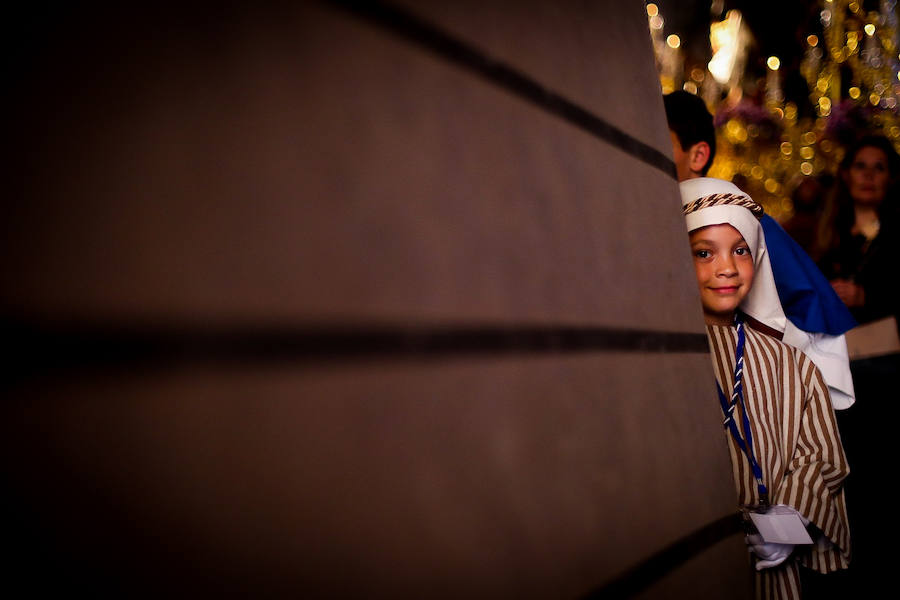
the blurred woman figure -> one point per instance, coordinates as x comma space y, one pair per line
860, 231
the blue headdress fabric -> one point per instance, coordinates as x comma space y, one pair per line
807, 297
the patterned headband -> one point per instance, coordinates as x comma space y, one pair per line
722, 200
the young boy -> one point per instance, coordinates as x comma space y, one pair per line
786, 454
817, 318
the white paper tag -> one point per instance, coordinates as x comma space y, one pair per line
781, 529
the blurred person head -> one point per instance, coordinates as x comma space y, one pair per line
870, 167
864, 181
866, 176
693, 134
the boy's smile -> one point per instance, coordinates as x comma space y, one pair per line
724, 271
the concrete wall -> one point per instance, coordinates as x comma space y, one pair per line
341, 300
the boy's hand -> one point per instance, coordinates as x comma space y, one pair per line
768, 554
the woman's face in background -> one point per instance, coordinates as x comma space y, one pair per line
868, 177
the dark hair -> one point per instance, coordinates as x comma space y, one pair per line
846, 216
840, 215
874, 141
691, 122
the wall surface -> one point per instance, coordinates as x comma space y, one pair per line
349, 299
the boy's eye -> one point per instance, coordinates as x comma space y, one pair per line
702, 253
742, 251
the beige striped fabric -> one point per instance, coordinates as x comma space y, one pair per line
797, 444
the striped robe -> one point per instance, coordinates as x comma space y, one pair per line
797, 444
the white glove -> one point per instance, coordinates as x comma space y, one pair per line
771, 554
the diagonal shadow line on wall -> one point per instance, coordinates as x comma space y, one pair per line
52, 346
653, 569
414, 29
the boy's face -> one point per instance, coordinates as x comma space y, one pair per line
724, 270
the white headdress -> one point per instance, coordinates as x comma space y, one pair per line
707, 201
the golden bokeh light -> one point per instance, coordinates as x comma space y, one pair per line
735, 131
790, 111
849, 65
